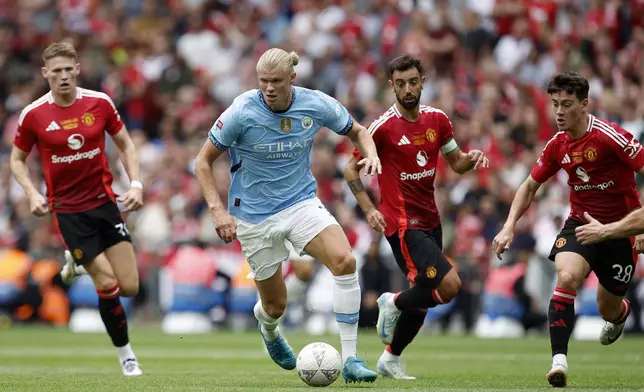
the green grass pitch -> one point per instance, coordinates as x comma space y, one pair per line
37, 359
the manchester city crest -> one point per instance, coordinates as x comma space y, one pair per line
307, 122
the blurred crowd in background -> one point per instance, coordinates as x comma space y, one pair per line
172, 66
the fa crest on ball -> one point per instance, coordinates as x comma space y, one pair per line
319, 364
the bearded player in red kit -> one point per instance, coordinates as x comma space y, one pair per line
67, 125
409, 137
600, 159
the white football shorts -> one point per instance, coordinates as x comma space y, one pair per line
264, 243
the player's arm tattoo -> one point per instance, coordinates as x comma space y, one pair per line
356, 186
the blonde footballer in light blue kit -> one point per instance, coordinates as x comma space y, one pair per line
269, 135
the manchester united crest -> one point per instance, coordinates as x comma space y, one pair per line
590, 154
560, 243
78, 254
431, 272
88, 119
431, 135
285, 125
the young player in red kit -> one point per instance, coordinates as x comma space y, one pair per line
67, 126
599, 158
409, 137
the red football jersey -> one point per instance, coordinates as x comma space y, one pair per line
71, 144
600, 167
408, 153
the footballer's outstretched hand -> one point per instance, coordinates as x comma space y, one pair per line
225, 225
38, 205
502, 241
372, 165
590, 233
376, 220
478, 159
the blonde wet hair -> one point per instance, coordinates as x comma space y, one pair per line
276, 58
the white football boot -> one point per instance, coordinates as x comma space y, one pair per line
610, 333
392, 369
131, 368
558, 375
388, 315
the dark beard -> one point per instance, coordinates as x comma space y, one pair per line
408, 105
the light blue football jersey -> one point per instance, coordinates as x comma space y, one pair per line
271, 152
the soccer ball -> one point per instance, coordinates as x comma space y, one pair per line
319, 364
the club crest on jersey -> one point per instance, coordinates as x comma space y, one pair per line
78, 254
431, 272
307, 122
88, 119
560, 243
285, 125
431, 135
590, 153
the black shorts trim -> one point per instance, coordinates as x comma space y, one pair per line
613, 261
419, 254
89, 233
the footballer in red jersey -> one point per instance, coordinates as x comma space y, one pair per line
600, 159
67, 126
409, 138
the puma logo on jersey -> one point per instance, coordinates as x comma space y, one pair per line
52, 127
403, 141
